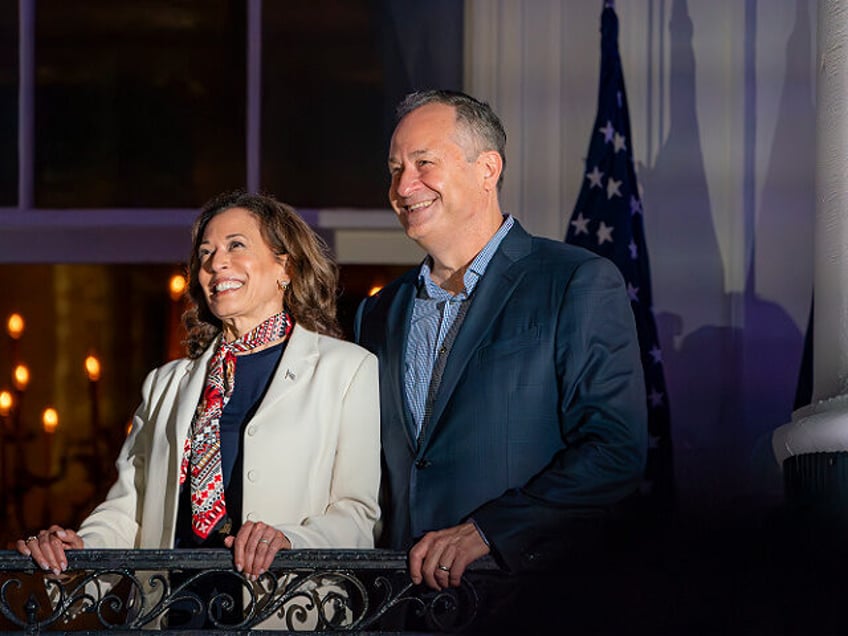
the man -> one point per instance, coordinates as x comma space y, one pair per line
512, 397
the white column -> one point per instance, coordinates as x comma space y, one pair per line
831, 232
513, 61
823, 426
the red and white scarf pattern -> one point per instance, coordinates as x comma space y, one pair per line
202, 451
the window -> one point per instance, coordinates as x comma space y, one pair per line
135, 113
333, 72
138, 104
8, 102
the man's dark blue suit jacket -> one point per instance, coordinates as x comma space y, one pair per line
541, 413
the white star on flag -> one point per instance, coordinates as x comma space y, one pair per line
608, 131
634, 249
605, 233
618, 142
612, 188
656, 354
581, 224
655, 397
633, 292
635, 205
594, 178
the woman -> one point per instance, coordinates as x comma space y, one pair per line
295, 409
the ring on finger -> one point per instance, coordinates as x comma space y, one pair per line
264, 540
30, 539
443, 568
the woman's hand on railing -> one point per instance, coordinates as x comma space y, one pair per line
255, 546
48, 547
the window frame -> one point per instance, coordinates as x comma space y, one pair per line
155, 235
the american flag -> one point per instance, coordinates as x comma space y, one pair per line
608, 220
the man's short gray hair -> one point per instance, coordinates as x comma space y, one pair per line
476, 117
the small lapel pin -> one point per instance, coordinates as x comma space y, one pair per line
289, 374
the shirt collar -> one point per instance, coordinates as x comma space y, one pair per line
475, 270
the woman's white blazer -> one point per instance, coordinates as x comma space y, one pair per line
311, 451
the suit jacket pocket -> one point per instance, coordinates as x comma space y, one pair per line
514, 344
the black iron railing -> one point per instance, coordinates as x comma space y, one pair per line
304, 590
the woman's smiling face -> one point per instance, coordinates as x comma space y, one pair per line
239, 272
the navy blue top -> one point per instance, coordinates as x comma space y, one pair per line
253, 375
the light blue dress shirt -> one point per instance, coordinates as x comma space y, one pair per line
433, 314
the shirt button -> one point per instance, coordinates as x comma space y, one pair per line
251, 431
252, 516
253, 475
421, 464
442, 350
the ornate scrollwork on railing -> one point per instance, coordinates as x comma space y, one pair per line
307, 590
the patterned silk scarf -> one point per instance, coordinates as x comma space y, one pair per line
202, 452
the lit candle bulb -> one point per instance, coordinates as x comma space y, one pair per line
20, 377
50, 420
6, 403
92, 368
15, 326
177, 286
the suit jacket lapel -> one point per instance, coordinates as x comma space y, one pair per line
164, 465
295, 369
398, 317
502, 276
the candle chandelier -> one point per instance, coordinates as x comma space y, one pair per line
22, 473
33, 460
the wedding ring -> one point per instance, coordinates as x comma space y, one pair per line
444, 568
264, 540
30, 538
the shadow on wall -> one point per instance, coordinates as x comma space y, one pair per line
783, 258
729, 387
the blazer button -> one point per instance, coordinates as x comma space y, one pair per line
421, 464
251, 431
253, 475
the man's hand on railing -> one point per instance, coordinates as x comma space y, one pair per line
48, 548
439, 559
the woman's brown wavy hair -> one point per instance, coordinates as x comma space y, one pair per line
311, 296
